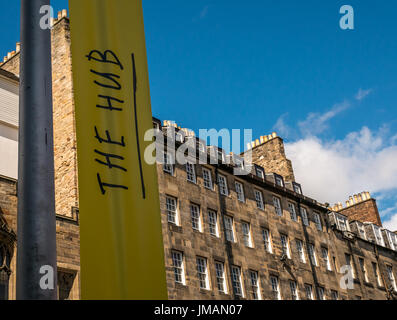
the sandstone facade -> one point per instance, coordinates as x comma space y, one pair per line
327, 245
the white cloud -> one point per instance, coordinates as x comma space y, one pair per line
282, 128
391, 224
361, 94
331, 171
317, 123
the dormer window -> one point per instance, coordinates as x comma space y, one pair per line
259, 172
361, 231
279, 180
179, 137
201, 147
297, 187
341, 222
378, 235
392, 237
221, 156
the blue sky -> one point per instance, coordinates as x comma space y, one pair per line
281, 65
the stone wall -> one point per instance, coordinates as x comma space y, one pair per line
65, 160
195, 244
271, 156
366, 211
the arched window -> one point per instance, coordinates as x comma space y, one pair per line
4, 274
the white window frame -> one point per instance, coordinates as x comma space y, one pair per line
179, 266
213, 215
201, 147
259, 199
297, 188
255, 285
317, 221
279, 180
391, 277
277, 206
321, 293
229, 228
237, 284
342, 222
195, 215
220, 277
170, 212
349, 261
325, 256
312, 254
292, 211
222, 183
378, 235
334, 295
168, 165
246, 228
363, 268
294, 290
260, 172
309, 291
202, 273
267, 240
285, 245
191, 172
275, 287
301, 250
304, 216
207, 178
240, 191
361, 231
375, 268
392, 239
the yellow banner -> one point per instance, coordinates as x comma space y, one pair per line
122, 255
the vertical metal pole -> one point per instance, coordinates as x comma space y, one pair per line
36, 251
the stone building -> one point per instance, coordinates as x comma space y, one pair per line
255, 236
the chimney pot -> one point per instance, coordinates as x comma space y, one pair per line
347, 204
18, 47
262, 139
355, 198
368, 195
59, 15
9, 55
274, 135
64, 13
249, 146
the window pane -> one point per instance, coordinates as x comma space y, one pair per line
171, 210
195, 215
207, 179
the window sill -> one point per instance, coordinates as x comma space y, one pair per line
204, 291
179, 285
174, 228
